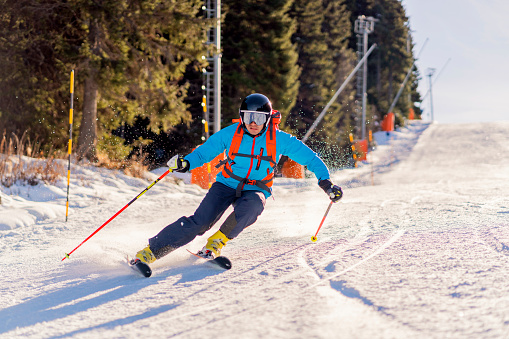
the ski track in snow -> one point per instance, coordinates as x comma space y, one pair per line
417, 248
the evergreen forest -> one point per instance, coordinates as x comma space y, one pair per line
138, 71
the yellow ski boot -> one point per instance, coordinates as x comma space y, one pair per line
214, 245
146, 255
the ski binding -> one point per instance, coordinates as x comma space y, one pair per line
220, 261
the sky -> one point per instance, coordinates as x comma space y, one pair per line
474, 36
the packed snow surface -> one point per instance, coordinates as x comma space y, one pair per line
417, 248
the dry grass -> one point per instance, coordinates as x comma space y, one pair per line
19, 146
14, 167
133, 167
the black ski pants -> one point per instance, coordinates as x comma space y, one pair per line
246, 208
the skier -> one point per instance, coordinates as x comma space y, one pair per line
253, 147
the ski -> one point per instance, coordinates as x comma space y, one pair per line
220, 261
139, 266
145, 270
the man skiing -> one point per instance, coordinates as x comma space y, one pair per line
253, 147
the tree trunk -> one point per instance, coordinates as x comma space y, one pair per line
87, 140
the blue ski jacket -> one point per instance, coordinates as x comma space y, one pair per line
286, 144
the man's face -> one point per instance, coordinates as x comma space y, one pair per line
253, 128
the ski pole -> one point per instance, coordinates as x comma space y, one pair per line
313, 238
121, 210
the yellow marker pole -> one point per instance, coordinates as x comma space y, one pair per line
205, 115
70, 145
206, 126
209, 171
354, 156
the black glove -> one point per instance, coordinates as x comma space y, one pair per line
334, 192
178, 164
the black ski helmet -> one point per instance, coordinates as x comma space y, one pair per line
258, 103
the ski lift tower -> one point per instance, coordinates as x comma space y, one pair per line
363, 26
212, 73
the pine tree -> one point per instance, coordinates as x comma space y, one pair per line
315, 62
391, 34
147, 46
321, 37
338, 30
129, 57
33, 78
258, 55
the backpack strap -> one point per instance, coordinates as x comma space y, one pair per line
266, 183
234, 148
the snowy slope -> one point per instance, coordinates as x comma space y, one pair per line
417, 248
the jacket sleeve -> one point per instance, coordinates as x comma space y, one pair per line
214, 145
299, 152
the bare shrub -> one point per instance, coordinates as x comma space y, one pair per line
14, 168
32, 173
133, 167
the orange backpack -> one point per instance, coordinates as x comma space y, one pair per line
266, 182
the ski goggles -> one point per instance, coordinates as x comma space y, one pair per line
258, 118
